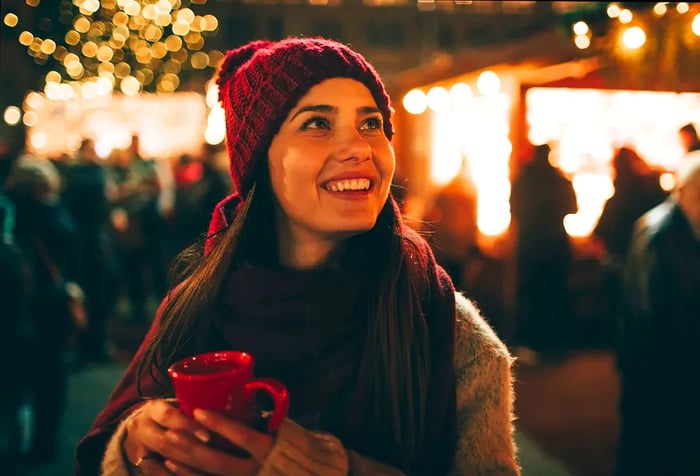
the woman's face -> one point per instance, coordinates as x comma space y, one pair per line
330, 163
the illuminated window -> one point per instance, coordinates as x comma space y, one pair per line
477, 131
585, 126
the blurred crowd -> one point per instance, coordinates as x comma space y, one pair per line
103, 230
86, 240
539, 251
646, 246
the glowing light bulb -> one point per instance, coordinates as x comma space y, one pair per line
438, 98
634, 37
415, 101
581, 28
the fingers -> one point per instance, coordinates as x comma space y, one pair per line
152, 467
190, 455
256, 443
182, 445
180, 469
146, 430
170, 417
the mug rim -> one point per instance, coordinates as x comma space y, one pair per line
176, 371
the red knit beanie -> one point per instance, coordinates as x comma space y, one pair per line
259, 84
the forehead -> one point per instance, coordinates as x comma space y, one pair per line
336, 91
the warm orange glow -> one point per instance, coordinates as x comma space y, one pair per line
478, 134
93, 111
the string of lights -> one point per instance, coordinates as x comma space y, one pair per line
651, 44
128, 45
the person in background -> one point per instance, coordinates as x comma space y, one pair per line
199, 186
540, 199
637, 190
138, 229
689, 138
9, 152
660, 336
453, 216
17, 340
309, 268
47, 235
86, 196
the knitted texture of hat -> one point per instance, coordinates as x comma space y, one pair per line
259, 84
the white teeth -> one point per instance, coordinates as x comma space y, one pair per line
354, 184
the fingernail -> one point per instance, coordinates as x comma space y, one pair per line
202, 436
200, 415
171, 466
172, 437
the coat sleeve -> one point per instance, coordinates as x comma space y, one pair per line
124, 400
485, 398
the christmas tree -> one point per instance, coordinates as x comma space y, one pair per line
126, 45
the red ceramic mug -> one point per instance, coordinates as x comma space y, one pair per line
223, 381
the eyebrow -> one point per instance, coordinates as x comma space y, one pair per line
332, 109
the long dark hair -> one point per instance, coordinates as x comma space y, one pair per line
397, 341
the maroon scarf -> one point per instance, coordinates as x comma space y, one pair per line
308, 329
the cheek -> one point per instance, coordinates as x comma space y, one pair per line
293, 178
386, 162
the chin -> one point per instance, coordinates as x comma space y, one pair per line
355, 227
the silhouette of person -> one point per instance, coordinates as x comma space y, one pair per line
87, 199
45, 231
17, 341
199, 187
540, 199
637, 190
453, 214
139, 229
660, 336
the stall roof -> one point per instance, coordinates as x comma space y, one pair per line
545, 49
548, 58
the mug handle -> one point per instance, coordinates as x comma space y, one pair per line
279, 395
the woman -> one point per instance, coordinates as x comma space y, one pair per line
310, 269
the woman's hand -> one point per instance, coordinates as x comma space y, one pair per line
146, 441
175, 444
213, 462
165, 441
294, 451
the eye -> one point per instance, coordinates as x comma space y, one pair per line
316, 122
371, 123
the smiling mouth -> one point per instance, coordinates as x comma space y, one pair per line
349, 185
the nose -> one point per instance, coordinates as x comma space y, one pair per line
352, 146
